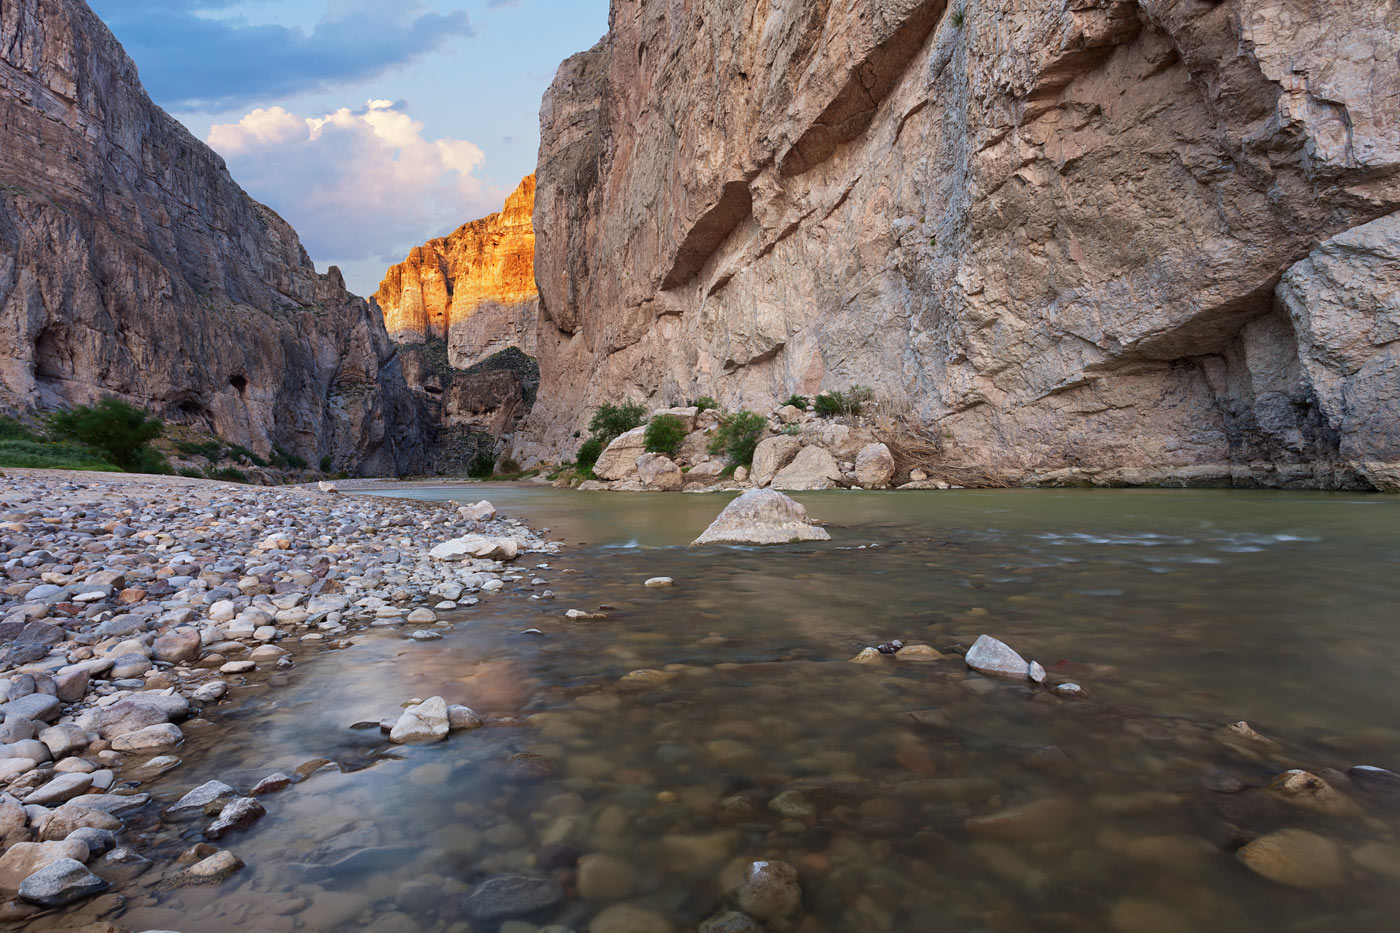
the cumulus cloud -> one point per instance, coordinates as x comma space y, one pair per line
193, 61
361, 187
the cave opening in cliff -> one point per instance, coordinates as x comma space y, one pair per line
239, 382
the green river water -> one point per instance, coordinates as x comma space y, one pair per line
1179, 611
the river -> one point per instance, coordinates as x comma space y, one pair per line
897, 788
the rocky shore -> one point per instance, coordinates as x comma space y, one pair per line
131, 604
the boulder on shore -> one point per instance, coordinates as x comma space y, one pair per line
762, 516
481, 546
813, 468
657, 471
619, 459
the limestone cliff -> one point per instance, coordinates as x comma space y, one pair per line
1078, 240
474, 288
132, 264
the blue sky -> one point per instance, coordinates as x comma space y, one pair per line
370, 125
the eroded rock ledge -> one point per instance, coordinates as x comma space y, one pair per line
1144, 240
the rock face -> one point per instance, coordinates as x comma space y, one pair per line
132, 264
474, 288
1122, 241
465, 312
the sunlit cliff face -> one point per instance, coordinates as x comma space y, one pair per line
446, 280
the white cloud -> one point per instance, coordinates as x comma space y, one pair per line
361, 187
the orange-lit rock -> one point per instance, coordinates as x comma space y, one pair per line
474, 288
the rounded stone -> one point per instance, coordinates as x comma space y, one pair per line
769, 891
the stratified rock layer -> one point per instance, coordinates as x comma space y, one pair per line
132, 264
474, 288
1052, 232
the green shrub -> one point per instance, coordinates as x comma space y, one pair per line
191, 472
227, 474
327, 463
482, 465
705, 403
792, 430
796, 401
150, 460
588, 453
850, 402
285, 459
958, 16
239, 452
509, 467
120, 431
209, 450
609, 421
665, 434
12, 429
17, 452
738, 435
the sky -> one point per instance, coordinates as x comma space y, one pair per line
369, 125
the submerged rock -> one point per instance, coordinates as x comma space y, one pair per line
769, 891
1295, 857
507, 896
762, 516
61, 883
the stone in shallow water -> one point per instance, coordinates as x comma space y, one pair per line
236, 814
990, 656
1295, 857
762, 516
627, 918
212, 870
769, 891
1371, 778
422, 723
731, 922
507, 896
659, 582
202, 796
273, 782
1307, 790
61, 883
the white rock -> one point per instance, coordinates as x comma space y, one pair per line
762, 516
477, 546
422, 723
656, 582
813, 468
990, 656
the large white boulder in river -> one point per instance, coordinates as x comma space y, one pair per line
990, 656
421, 723
762, 516
483, 546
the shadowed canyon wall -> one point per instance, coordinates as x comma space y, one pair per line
1078, 240
132, 264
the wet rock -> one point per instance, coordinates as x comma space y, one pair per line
270, 784
1307, 790
212, 870
605, 878
868, 656
919, 653
1375, 780
149, 739
996, 658
422, 616
61, 883
504, 897
1295, 857
1379, 857
731, 922
559, 855
1071, 692
792, 804
25, 858
1041, 819
462, 718
762, 516
531, 766
628, 918
201, 797
236, 814
97, 840
422, 723
769, 891
659, 582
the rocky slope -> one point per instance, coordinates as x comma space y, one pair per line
132, 264
1073, 240
474, 288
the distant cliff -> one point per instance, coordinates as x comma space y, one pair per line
474, 288
132, 264
1115, 241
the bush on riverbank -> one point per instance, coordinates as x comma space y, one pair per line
737, 436
665, 433
612, 421
42, 455
119, 430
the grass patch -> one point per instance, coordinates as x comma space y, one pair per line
796, 401
850, 402
41, 455
705, 403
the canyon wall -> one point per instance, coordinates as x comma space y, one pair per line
474, 288
131, 264
465, 312
1112, 241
